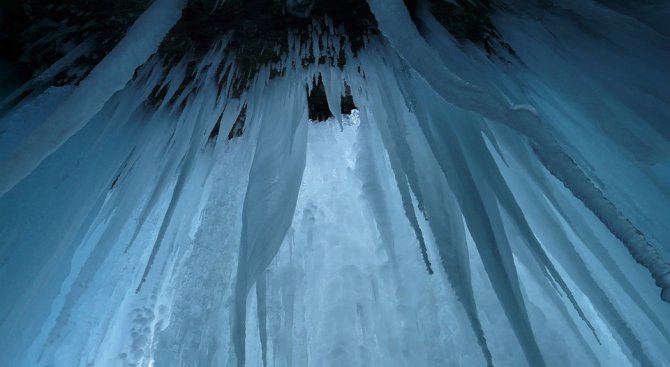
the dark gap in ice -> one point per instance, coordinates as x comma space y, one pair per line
317, 102
238, 127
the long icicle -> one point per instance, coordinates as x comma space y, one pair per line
107, 78
395, 23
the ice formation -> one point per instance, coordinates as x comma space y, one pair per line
470, 212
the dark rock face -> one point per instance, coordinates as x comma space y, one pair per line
470, 21
39, 32
259, 31
300, 8
36, 33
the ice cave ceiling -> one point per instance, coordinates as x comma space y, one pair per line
334, 183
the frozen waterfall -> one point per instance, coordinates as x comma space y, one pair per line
472, 211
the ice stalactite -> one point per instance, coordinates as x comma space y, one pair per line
196, 218
446, 226
523, 118
185, 158
274, 181
59, 66
566, 170
107, 78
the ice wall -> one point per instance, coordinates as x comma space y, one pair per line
424, 229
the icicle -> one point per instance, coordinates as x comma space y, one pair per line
572, 261
447, 227
186, 167
523, 118
108, 77
482, 162
261, 305
521, 269
368, 171
270, 200
66, 61
473, 200
600, 253
567, 171
395, 23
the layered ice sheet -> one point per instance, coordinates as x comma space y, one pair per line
424, 229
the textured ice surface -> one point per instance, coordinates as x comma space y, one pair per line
422, 230
107, 78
